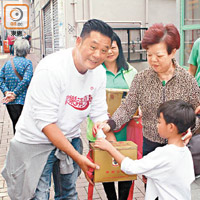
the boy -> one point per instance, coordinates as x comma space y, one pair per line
169, 169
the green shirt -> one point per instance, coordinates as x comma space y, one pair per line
194, 59
115, 81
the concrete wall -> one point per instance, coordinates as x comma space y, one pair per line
36, 28
147, 12
163, 11
73, 13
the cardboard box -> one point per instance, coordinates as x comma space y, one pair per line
109, 169
114, 97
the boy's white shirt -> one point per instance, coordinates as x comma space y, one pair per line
59, 94
169, 171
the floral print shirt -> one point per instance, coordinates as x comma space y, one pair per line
148, 92
10, 82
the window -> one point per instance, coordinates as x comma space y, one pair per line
189, 28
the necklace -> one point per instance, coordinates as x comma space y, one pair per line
163, 83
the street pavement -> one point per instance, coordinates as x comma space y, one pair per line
6, 135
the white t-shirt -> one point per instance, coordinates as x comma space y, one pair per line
59, 94
169, 171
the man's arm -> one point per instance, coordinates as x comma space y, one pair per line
45, 95
192, 69
57, 138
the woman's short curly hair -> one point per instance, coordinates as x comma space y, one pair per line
21, 47
159, 33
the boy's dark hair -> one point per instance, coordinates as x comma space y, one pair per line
121, 62
178, 112
96, 25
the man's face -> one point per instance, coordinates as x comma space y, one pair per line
91, 51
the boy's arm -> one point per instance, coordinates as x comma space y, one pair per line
107, 146
151, 165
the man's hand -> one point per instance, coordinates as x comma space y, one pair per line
57, 138
85, 164
100, 125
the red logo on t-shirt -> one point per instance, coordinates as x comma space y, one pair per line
79, 103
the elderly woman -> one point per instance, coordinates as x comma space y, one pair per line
15, 77
164, 80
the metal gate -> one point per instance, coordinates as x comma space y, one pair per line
55, 25
47, 30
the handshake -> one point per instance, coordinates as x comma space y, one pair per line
9, 97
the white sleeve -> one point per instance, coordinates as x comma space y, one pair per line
99, 107
152, 165
45, 97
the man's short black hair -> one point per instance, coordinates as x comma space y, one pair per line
96, 25
178, 112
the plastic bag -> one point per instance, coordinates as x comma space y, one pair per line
134, 134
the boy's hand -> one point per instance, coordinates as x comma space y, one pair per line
103, 144
107, 146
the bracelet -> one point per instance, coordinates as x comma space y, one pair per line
111, 123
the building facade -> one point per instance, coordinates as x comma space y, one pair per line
55, 24
189, 27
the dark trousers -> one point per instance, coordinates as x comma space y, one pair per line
14, 111
11, 48
149, 146
123, 190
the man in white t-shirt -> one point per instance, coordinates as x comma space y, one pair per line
67, 86
169, 169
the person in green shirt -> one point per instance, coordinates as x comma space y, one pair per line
119, 76
194, 61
